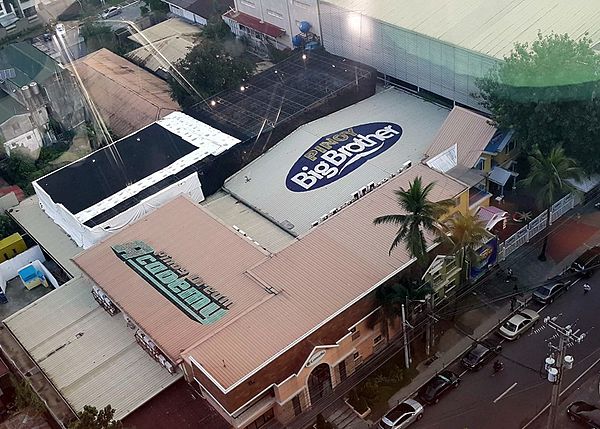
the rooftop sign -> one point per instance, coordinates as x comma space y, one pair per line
197, 300
338, 154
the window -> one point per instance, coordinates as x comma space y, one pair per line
356, 356
297, 405
29, 12
301, 4
262, 420
353, 330
377, 339
274, 13
480, 164
248, 3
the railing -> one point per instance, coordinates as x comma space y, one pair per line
537, 225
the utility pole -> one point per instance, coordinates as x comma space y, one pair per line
404, 333
556, 368
429, 329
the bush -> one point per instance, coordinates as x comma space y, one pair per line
25, 397
369, 389
357, 402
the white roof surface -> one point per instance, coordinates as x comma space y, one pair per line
488, 27
89, 356
296, 211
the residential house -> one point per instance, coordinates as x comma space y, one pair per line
17, 16
18, 129
198, 11
127, 96
275, 23
173, 38
42, 86
469, 148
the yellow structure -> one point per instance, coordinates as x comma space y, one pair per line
11, 246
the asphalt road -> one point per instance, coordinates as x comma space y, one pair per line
513, 397
130, 11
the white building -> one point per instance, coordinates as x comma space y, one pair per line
274, 22
443, 46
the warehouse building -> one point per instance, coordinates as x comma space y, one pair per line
443, 46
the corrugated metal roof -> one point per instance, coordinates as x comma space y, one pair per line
332, 266
420, 120
200, 244
238, 215
47, 233
128, 97
173, 49
90, 357
173, 27
467, 130
489, 27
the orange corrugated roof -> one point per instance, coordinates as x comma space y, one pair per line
470, 132
332, 266
128, 97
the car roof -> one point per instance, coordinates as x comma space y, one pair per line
399, 410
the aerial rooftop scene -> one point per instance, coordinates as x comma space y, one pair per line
304, 214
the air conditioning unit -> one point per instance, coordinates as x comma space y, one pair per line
406, 165
355, 195
371, 186
363, 191
324, 218
312, 225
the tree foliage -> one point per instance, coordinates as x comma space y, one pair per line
217, 29
464, 233
549, 93
91, 418
25, 397
157, 5
209, 68
420, 214
7, 226
547, 178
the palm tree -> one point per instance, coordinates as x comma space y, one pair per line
547, 177
465, 233
421, 214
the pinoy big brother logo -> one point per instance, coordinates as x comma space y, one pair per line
338, 154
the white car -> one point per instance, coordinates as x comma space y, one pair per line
402, 415
111, 11
519, 323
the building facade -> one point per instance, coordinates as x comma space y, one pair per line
17, 17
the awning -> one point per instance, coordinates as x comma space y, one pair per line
255, 23
499, 175
491, 216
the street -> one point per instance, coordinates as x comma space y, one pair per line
130, 11
511, 398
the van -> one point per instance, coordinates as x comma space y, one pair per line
586, 263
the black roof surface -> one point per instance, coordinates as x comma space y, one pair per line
114, 167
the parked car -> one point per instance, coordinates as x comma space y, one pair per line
481, 353
585, 264
111, 11
518, 323
402, 415
587, 414
435, 388
547, 293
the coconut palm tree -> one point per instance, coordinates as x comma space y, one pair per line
547, 177
420, 214
465, 233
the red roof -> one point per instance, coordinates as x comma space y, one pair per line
255, 23
14, 188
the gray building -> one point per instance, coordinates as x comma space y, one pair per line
17, 16
443, 46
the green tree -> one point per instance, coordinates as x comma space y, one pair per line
25, 397
547, 178
547, 92
209, 68
91, 418
217, 29
465, 233
7, 226
157, 5
421, 214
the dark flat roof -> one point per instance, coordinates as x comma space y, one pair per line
114, 167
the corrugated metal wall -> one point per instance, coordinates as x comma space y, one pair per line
417, 59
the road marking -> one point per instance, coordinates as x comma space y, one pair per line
561, 393
505, 392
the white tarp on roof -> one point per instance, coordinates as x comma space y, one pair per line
296, 211
444, 161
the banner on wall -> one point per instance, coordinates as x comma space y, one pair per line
487, 256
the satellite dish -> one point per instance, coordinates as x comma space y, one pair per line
7, 74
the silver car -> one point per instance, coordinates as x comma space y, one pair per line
519, 323
111, 11
402, 415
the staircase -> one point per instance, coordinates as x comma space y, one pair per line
344, 418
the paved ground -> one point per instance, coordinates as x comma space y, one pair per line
19, 296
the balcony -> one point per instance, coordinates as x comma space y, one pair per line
477, 197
